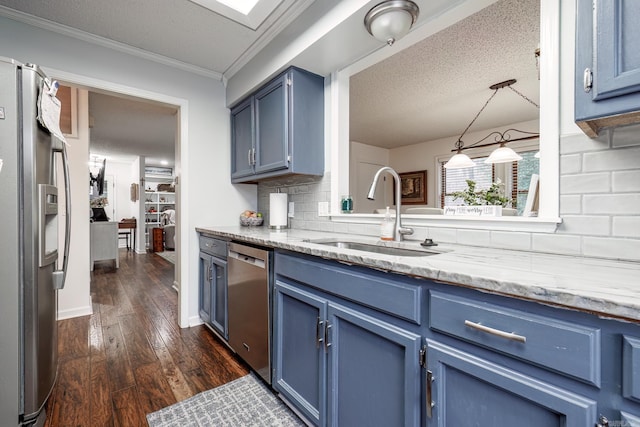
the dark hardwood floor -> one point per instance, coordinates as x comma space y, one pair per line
130, 358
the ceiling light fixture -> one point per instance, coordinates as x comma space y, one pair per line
391, 20
503, 154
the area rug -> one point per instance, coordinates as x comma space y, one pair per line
168, 255
242, 402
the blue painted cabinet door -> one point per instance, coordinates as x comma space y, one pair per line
374, 371
299, 350
204, 287
607, 44
219, 296
242, 139
272, 133
470, 391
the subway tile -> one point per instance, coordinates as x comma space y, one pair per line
625, 181
443, 235
580, 143
511, 240
625, 136
613, 248
614, 204
474, 237
585, 225
585, 183
556, 243
571, 204
570, 164
612, 160
626, 226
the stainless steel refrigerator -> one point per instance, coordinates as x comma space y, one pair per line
31, 159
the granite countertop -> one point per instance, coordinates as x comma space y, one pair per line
604, 287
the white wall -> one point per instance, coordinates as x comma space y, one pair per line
207, 197
75, 300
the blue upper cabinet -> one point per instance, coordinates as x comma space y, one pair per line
279, 129
607, 84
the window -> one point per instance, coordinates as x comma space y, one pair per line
516, 178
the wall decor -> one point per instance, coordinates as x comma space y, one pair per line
135, 192
413, 187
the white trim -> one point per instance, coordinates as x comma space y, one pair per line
195, 321
549, 116
74, 312
104, 42
182, 244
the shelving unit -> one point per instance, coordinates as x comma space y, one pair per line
155, 203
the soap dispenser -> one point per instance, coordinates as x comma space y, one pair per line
387, 226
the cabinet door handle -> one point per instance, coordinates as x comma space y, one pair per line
249, 156
497, 332
602, 421
327, 344
253, 156
319, 330
429, 402
587, 80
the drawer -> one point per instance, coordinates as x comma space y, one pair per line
213, 246
369, 289
567, 348
631, 368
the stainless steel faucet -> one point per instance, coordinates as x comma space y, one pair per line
399, 231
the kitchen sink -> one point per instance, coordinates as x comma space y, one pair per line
378, 249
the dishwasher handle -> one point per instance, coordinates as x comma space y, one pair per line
257, 262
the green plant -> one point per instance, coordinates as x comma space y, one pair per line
494, 195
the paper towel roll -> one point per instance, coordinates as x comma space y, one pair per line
278, 210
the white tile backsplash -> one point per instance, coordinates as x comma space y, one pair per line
628, 249
586, 183
626, 226
586, 225
557, 244
612, 160
571, 163
571, 204
626, 181
599, 203
613, 204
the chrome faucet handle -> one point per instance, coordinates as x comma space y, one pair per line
405, 230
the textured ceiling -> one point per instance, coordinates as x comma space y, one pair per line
178, 29
436, 87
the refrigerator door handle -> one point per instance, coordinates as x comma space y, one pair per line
59, 276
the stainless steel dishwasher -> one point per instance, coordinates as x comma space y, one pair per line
249, 301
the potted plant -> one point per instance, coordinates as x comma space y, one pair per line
492, 199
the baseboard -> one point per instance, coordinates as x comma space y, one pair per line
75, 312
195, 321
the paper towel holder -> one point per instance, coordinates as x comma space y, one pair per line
283, 222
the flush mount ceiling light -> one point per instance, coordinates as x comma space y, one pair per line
502, 154
391, 20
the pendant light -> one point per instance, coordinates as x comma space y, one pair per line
503, 154
391, 20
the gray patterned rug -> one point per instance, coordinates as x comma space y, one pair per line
243, 402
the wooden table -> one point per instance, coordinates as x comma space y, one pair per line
129, 227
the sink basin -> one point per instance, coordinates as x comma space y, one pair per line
378, 249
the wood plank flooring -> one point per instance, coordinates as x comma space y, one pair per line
130, 357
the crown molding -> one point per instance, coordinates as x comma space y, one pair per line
65, 30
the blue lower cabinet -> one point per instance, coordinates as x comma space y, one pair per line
466, 390
299, 351
204, 287
341, 367
374, 371
212, 293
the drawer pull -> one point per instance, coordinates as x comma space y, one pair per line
497, 332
